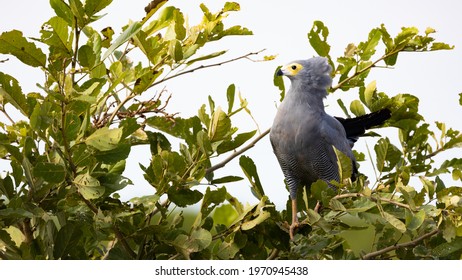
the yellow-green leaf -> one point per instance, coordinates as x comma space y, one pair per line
88, 186
105, 139
395, 222
357, 108
14, 43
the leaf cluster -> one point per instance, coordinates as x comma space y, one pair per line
68, 152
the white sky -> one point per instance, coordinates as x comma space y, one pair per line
281, 28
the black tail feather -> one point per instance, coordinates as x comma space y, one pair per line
356, 127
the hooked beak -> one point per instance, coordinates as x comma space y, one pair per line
280, 72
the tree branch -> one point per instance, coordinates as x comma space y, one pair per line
339, 85
124, 243
401, 245
237, 153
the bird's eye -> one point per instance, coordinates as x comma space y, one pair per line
294, 67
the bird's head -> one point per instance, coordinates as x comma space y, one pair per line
314, 72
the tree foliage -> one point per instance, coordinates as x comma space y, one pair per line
69, 149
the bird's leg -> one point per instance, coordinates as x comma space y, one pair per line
295, 223
318, 206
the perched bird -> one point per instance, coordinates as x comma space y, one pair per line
303, 134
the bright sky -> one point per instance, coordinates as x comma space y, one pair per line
281, 28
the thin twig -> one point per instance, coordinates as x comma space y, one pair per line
124, 243
237, 153
375, 199
401, 245
246, 56
7, 116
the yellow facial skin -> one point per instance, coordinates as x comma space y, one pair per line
290, 69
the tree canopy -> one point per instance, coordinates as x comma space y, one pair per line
69, 148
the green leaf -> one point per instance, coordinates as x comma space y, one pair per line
445, 249
184, 197
250, 171
318, 38
220, 126
259, 215
429, 186
204, 144
368, 93
345, 166
50, 172
105, 139
363, 204
336, 205
62, 10
86, 56
107, 32
66, 241
387, 155
441, 46
204, 57
13, 42
93, 6
319, 189
403, 38
226, 179
225, 215
200, 239
230, 94
11, 91
343, 107
129, 32
176, 50
262, 216
120, 152
240, 139
129, 126
15, 214
396, 223
278, 82
182, 128
367, 49
55, 34
113, 182
357, 108
88, 186
231, 6
227, 250
414, 221
145, 81
78, 12
7, 187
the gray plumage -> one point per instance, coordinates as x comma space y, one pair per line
303, 134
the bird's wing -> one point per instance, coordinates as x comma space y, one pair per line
333, 135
